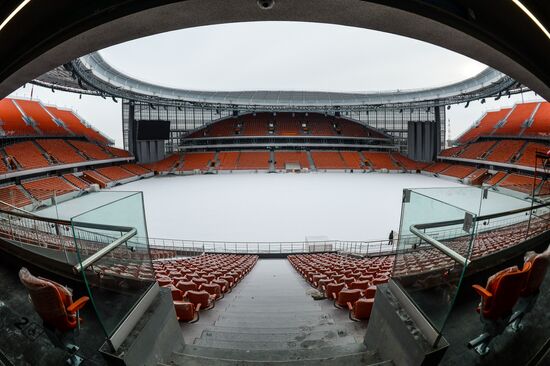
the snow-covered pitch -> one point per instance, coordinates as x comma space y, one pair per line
276, 207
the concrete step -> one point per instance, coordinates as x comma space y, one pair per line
278, 340
349, 355
281, 330
276, 317
268, 323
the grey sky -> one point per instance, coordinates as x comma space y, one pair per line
275, 56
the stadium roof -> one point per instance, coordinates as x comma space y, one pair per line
92, 73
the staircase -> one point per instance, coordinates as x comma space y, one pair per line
270, 318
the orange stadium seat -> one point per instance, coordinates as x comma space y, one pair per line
192, 161
516, 120
496, 178
27, 155
437, 167
13, 195
43, 119
12, 122
164, 165
119, 153
45, 188
541, 121
115, 173
518, 182
407, 163
136, 169
485, 127
380, 160
296, 157
76, 181
328, 160
76, 126
352, 159
528, 156
253, 160
62, 152
505, 150
319, 125
452, 151
93, 177
228, 160
353, 129
91, 150
476, 150
458, 171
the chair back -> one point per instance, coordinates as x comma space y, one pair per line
50, 300
506, 287
539, 267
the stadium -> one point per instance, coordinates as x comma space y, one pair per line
267, 225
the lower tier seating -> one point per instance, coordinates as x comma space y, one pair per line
252, 160
192, 161
458, 171
115, 173
13, 195
380, 160
282, 158
76, 181
46, 188
136, 169
197, 283
328, 160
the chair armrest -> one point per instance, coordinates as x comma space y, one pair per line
78, 304
350, 306
482, 292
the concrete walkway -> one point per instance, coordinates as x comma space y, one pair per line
271, 316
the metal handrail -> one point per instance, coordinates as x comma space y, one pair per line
19, 209
104, 251
440, 246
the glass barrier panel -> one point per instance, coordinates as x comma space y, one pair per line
428, 276
118, 280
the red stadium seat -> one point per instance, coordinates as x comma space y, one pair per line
361, 309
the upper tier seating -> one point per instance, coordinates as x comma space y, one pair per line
505, 150
380, 160
528, 156
347, 128
288, 126
76, 181
119, 153
62, 152
352, 159
485, 126
164, 165
252, 160
14, 196
228, 160
328, 160
192, 161
458, 171
541, 121
45, 188
12, 122
136, 169
318, 125
115, 173
27, 155
92, 151
291, 157
516, 120
76, 126
437, 167
476, 150
407, 163
41, 117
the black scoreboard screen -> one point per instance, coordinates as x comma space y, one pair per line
153, 130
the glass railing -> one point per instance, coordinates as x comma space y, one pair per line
444, 230
114, 259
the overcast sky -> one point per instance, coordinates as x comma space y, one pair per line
280, 56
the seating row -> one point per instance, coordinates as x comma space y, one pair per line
198, 282
349, 282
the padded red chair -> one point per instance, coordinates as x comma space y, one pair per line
54, 304
224, 285
347, 297
185, 311
530, 293
185, 286
213, 289
200, 299
497, 301
361, 285
333, 289
361, 310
